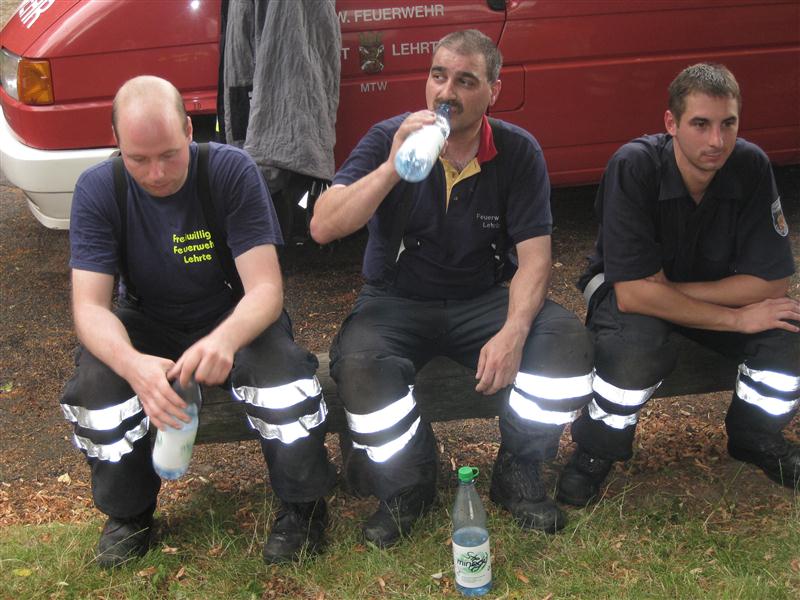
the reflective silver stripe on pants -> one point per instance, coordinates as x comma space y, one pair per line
773, 406
113, 452
102, 419
386, 451
615, 421
591, 287
280, 396
620, 396
385, 417
530, 411
777, 381
290, 432
554, 388
382, 419
547, 388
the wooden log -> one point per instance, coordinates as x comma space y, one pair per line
445, 391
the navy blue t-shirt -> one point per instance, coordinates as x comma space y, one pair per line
649, 221
171, 259
509, 198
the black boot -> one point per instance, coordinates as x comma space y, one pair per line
582, 477
123, 540
517, 487
396, 516
779, 459
299, 529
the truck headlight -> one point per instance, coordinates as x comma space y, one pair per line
9, 64
25, 79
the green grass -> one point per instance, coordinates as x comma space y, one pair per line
661, 548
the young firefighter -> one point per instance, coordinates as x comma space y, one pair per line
692, 241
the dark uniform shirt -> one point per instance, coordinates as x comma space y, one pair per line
649, 221
453, 250
171, 259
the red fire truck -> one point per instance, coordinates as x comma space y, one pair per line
583, 76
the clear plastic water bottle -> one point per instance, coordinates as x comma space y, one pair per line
421, 149
173, 447
471, 555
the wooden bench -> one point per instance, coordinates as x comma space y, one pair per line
445, 391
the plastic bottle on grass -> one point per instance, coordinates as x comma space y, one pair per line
471, 555
421, 149
173, 447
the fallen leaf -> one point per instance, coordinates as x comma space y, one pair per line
548, 597
180, 574
168, 549
437, 576
522, 577
65, 478
22, 572
321, 596
215, 550
148, 572
6, 387
382, 583
795, 564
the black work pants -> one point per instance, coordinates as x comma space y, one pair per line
387, 338
634, 353
110, 426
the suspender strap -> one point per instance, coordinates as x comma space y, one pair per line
398, 241
394, 248
121, 196
221, 249
505, 257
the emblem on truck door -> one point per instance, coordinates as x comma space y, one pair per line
370, 52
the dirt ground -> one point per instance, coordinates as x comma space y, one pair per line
680, 445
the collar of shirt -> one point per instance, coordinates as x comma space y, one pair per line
486, 152
672, 185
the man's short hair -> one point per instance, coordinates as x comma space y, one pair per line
704, 78
141, 87
472, 41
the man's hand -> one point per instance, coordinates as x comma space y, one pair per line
209, 359
412, 123
772, 313
148, 378
499, 361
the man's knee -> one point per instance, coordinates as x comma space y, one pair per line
93, 384
559, 347
366, 380
634, 359
273, 358
775, 350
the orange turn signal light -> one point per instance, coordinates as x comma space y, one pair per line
35, 84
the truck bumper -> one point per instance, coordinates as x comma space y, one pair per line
47, 177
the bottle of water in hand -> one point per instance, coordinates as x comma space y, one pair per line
421, 149
173, 447
471, 556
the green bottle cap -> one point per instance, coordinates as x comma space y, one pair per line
467, 474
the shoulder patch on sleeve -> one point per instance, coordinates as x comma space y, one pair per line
778, 218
